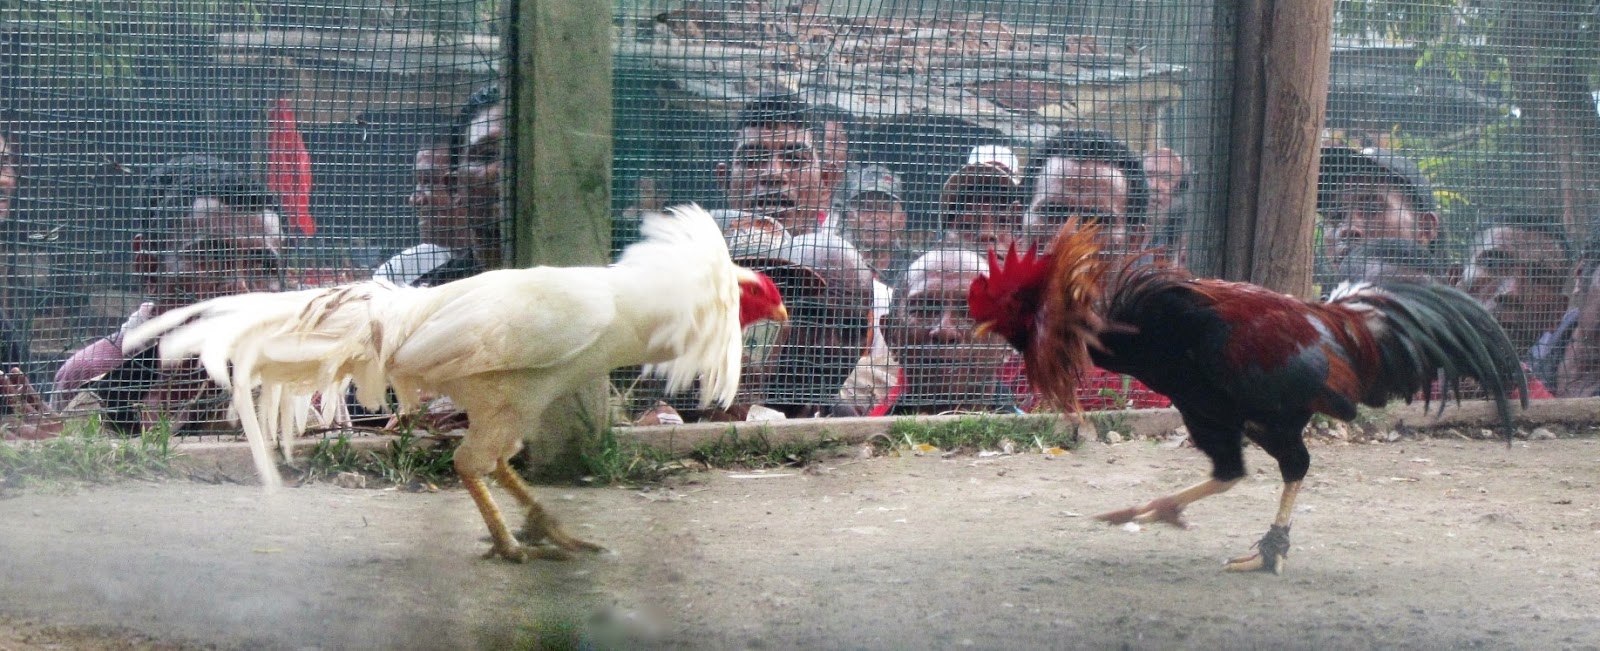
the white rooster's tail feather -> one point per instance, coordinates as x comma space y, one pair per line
293, 345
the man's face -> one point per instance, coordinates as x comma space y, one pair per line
438, 218
8, 178
776, 171
830, 312
982, 225
1164, 172
876, 222
477, 189
1373, 209
1086, 190
929, 332
223, 251
1520, 277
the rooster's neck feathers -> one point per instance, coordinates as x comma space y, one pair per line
681, 280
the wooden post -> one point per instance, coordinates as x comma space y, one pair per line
560, 94
1244, 157
1278, 131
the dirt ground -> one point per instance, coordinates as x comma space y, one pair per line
1440, 543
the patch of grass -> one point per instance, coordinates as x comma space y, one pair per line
1110, 421
981, 433
758, 451
609, 460
84, 454
405, 460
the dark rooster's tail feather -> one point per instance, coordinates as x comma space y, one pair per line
1431, 330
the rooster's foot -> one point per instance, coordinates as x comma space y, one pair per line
525, 553
540, 527
1161, 509
1272, 551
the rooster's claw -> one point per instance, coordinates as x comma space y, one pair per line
1163, 509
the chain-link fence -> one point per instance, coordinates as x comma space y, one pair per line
866, 154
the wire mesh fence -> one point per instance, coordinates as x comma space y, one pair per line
164, 152
866, 154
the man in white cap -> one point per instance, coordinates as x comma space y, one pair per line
980, 205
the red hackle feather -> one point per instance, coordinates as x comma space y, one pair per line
1071, 323
289, 166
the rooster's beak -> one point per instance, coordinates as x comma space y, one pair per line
780, 313
983, 329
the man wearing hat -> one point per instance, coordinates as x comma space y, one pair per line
980, 205
875, 216
1373, 193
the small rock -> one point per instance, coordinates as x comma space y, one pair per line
1113, 436
1486, 434
760, 413
350, 480
1391, 436
1542, 434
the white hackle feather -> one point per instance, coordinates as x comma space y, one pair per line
673, 305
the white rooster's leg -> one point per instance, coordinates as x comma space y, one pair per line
474, 459
539, 524
505, 546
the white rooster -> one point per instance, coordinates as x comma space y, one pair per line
502, 345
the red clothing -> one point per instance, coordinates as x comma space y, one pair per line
1101, 390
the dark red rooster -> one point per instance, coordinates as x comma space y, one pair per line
1238, 361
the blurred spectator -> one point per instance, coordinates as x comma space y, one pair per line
944, 365
1380, 260
210, 230
1568, 358
832, 125
15, 355
875, 223
875, 219
1168, 175
648, 196
1519, 267
980, 205
476, 164
828, 290
1372, 194
449, 243
776, 169
8, 177
1092, 176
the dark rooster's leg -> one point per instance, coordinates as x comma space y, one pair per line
1286, 443
539, 525
1220, 442
1169, 509
1272, 551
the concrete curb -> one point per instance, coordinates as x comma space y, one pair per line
231, 461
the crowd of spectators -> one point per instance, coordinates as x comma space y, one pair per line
878, 318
